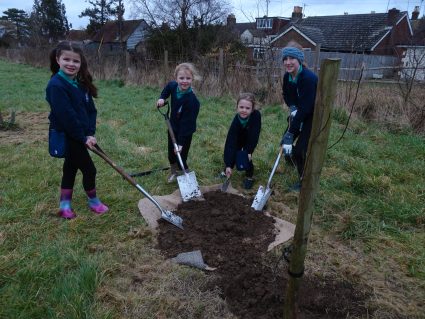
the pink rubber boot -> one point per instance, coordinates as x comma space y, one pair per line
65, 210
96, 206
67, 213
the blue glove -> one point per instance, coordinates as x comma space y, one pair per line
287, 140
292, 111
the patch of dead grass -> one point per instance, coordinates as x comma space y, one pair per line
31, 127
143, 283
395, 294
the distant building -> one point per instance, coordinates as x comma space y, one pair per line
371, 33
131, 37
78, 36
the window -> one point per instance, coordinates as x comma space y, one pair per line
265, 23
258, 53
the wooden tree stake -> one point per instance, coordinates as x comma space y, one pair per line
316, 152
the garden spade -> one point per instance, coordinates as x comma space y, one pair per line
225, 185
264, 193
165, 214
188, 184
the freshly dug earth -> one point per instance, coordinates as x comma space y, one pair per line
234, 238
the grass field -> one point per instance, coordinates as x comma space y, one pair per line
368, 223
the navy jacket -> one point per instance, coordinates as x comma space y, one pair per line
303, 95
184, 111
72, 109
240, 137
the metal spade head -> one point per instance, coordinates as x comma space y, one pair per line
188, 186
172, 218
261, 198
225, 184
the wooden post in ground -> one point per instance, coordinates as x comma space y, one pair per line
316, 152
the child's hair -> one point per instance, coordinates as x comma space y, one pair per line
188, 67
248, 97
84, 77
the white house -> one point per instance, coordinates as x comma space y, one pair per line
413, 63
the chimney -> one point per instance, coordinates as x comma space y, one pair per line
392, 16
298, 13
415, 13
231, 20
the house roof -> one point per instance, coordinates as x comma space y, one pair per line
257, 33
77, 35
311, 34
109, 33
241, 27
358, 32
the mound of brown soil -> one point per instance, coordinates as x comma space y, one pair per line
234, 238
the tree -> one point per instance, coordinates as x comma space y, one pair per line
21, 21
182, 13
48, 19
188, 27
101, 12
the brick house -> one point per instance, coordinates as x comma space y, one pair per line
257, 36
372, 33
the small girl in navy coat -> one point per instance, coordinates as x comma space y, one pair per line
243, 135
184, 111
69, 93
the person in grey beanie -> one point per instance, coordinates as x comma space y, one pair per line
299, 93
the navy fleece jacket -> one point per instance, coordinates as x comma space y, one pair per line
184, 111
302, 94
72, 109
240, 137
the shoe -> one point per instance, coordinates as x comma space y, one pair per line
67, 213
296, 187
99, 208
173, 173
248, 182
171, 178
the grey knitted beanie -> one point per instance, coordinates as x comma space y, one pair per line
293, 53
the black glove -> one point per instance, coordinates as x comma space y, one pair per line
287, 140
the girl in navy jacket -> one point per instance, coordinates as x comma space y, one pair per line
299, 94
242, 138
72, 110
184, 111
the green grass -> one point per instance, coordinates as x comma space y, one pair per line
372, 191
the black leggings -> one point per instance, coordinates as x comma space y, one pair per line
78, 158
172, 157
300, 149
250, 170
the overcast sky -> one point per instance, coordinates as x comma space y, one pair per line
247, 10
